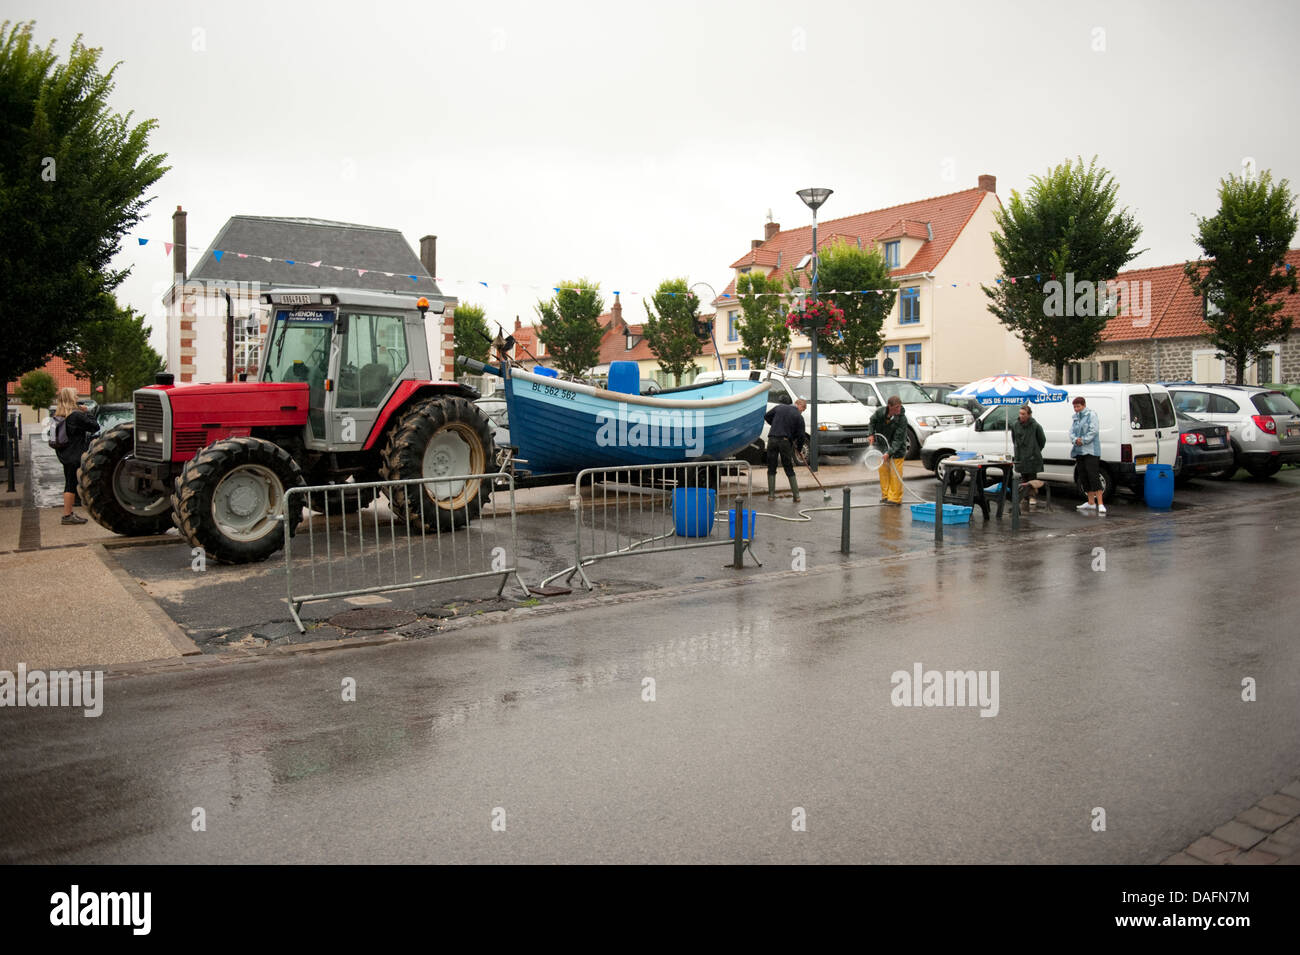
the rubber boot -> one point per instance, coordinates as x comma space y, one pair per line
771, 487
794, 486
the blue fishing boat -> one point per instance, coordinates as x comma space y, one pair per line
561, 427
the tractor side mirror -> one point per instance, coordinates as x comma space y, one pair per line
341, 324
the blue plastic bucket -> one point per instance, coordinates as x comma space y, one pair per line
746, 524
1159, 487
693, 509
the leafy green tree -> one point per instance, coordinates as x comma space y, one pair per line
1244, 243
470, 332
36, 389
112, 349
570, 326
670, 328
1064, 232
763, 331
845, 269
72, 177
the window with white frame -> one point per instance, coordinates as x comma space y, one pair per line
248, 345
1267, 370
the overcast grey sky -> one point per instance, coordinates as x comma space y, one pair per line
629, 144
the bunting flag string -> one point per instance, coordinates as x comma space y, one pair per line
218, 254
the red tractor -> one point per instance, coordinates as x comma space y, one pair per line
343, 395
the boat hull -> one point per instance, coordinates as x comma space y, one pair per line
561, 427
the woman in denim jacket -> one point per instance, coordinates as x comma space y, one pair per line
1085, 448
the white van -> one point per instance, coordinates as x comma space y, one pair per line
843, 422
1138, 427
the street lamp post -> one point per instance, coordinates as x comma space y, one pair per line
813, 198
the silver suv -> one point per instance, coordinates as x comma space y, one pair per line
1264, 424
924, 414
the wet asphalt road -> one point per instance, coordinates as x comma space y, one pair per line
1118, 689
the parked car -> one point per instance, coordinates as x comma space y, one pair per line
1203, 448
942, 393
1264, 424
924, 415
843, 424
496, 409
1138, 427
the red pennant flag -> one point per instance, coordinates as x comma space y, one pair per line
167, 247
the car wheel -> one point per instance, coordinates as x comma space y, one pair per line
1262, 471
953, 480
913, 446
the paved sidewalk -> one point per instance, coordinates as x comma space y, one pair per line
1268, 833
65, 603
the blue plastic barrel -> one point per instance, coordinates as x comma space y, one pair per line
693, 509
746, 524
1159, 487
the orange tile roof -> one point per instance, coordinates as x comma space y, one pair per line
904, 228
613, 346
1174, 310
757, 256
947, 216
63, 377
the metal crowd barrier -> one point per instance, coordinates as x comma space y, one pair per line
657, 508
350, 546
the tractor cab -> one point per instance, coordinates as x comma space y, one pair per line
352, 349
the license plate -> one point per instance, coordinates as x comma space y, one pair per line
1146, 459
1293, 431
859, 440
1214, 442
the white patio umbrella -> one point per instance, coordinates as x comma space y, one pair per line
1007, 389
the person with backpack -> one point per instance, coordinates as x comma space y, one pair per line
70, 431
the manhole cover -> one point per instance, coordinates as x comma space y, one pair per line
371, 618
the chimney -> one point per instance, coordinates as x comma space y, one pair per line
989, 183
429, 254
178, 243
616, 313
770, 229
518, 324
755, 243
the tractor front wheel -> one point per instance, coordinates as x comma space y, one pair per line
118, 501
230, 499
437, 438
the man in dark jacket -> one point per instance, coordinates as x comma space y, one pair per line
889, 434
786, 436
1028, 441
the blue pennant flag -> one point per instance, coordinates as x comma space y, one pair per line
143, 241
289, 262
217, 254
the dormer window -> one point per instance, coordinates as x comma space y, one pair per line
631, 343
1209, 309
892, 254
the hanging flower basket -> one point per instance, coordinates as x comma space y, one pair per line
818, 314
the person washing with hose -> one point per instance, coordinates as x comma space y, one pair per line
890, 425
787, 435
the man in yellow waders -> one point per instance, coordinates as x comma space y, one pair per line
889, 424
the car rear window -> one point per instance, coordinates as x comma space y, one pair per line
1274, 402
1165, 417
1141, 412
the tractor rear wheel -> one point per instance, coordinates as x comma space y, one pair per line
230, 499
111, 496
440, 437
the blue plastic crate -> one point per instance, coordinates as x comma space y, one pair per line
952, 513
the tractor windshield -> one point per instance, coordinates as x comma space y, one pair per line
299, 347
